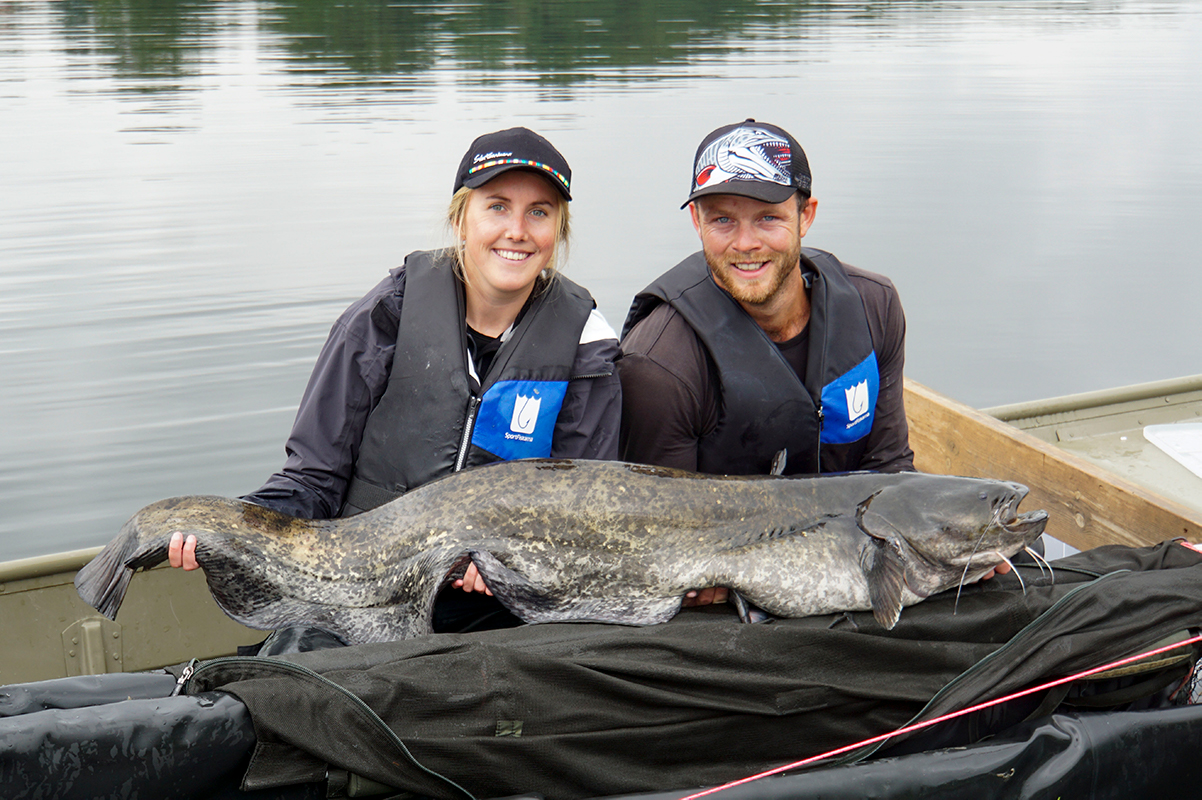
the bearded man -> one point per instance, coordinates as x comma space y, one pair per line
758, 354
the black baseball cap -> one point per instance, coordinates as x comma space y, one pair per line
513, 148
752, 159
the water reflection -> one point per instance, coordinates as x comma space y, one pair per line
548, 42
160, 42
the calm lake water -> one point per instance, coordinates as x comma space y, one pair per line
190, 193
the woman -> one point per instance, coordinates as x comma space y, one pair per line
476, 353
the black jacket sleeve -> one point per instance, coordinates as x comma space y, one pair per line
347, 382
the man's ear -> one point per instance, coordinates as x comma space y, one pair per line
695, 213
806, 215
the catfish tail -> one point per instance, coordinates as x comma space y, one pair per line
103, 581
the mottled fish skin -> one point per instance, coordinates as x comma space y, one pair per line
559, 540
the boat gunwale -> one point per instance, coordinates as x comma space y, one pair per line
45, 565
1170, 390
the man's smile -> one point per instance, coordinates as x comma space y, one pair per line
748, 266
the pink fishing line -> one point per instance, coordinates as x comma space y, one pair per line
920, 725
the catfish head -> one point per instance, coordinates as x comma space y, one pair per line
929, 533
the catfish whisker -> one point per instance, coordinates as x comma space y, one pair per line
964, 575
1042, 562
1017, 574
959, 589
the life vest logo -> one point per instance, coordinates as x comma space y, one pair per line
849, 403
858, 402
525, 414
517, 418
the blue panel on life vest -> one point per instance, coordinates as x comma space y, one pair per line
849, 403
517, 418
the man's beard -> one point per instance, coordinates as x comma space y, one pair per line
783, 263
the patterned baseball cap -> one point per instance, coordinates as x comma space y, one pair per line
513, 148
752, 159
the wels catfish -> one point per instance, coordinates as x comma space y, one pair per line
560, 540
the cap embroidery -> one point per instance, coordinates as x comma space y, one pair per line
745, 154
496, 162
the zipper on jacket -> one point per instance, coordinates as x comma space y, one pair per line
818, 447
469, 425
590, 376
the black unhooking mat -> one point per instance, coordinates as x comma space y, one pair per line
584, 710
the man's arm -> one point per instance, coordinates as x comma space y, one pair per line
888, 446
667, 399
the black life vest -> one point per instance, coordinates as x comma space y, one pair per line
765, 407
429, 421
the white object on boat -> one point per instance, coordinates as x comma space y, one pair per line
1180, 440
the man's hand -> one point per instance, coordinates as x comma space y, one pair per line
1000, 569
181, 552
471, 581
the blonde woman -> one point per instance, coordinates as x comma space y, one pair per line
475, 353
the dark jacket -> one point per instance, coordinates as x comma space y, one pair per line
704, 388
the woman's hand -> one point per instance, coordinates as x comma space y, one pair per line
181, 552
471, 581
705, 597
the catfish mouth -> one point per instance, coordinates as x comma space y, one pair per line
1012, 532
1028, 525
1009, 530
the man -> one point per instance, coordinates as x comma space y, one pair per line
756, 345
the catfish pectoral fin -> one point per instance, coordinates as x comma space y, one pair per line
747, 612
886, 574
742, 607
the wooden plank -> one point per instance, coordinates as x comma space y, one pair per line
1089, 505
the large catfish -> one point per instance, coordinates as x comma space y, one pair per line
559, 540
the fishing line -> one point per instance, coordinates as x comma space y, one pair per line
920, 725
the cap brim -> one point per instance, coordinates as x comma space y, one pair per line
757, 190
482, 177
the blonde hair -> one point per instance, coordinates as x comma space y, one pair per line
457, 210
